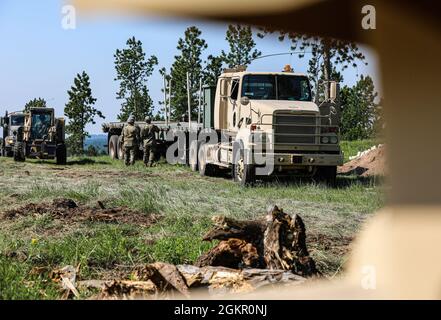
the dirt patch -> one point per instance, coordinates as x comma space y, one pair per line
68, 209
335, 244
370, 163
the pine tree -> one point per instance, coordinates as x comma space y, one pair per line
80, 111
189, 60
359, 110
242, 52
133, 71
35, 103
213, 69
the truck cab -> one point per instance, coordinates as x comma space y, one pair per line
42, 136
270, 115
10, 123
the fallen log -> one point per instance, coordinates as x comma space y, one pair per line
277, 242
161, 280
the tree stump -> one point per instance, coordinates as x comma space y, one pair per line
276, 243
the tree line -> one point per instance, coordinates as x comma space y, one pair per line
360, 109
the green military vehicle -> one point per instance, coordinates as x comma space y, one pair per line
42, 136
10, 123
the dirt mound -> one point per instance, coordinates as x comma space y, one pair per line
368, 163
70, 210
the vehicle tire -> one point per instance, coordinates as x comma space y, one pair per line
327, 174
205, 169
19, 154
120, 149
113, 147
61, 154
243, 173
194, 155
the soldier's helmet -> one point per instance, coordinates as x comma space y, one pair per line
131, 120
148, 119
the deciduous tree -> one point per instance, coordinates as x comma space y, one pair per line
359, 109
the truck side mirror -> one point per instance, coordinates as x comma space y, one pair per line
332, 90
2, 121
244, 101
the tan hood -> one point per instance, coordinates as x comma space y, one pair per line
269, 106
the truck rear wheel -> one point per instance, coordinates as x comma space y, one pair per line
193, 156
205, 169
61, 154
113, 147
19, 154
243, 172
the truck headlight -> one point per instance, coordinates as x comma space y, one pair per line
10, 141
334, 139
325, 140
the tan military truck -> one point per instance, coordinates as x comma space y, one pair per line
270, 116
10, 124
42, 136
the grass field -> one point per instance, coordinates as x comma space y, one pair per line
186, 203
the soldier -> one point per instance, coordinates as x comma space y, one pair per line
130, 140
40, 127
148, 135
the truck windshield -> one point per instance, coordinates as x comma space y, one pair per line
276, 87
40, 125
17, 120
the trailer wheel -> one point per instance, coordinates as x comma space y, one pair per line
326, 174
19, 154
243, 173
113, 147
61, 154
193, 157
120, 149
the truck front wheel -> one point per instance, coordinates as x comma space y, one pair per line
243, 172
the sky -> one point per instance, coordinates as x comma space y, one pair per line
39, 58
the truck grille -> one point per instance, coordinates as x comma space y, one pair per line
292, 128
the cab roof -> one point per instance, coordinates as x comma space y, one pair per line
243, 73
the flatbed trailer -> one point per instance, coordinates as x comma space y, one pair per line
170, 129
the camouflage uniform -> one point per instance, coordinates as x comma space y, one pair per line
148, 135
130, 138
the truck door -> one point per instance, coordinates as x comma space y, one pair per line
222, 112
233, 106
